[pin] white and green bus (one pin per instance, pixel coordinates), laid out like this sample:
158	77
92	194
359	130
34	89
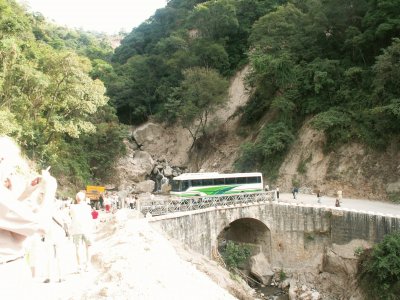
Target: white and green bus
202	184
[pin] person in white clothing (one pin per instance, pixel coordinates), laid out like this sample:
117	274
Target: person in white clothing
81	229
18	220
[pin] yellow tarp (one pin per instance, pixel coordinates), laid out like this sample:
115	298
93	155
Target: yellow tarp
94	191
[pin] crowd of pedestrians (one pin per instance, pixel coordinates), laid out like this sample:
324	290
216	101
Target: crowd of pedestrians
35	225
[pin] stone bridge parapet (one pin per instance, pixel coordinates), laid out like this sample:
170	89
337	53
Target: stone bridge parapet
290	235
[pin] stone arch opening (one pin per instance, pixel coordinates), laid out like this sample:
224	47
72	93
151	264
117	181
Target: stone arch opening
249	231
256	234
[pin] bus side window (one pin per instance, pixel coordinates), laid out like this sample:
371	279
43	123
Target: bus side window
230	180
184	185
196	182
241	180
253	180
219	181
207	182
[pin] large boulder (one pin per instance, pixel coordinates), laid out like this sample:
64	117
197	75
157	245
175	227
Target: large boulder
147	134
261	269
145	186
136	166
170	144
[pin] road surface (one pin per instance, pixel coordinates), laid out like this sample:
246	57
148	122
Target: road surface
346	203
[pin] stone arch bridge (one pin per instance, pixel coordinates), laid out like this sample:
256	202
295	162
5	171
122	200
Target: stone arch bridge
289	235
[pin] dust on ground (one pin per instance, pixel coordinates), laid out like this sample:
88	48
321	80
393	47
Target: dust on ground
132	260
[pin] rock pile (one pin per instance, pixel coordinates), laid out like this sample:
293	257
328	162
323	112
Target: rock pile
138	172
302	292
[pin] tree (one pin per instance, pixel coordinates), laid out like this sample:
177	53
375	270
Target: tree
215	19
201	92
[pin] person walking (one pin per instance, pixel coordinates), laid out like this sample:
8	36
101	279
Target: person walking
101	201
295	191
277	193
82	226
55	237
319	196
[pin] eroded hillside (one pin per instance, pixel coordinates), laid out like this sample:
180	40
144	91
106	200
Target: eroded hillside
352	168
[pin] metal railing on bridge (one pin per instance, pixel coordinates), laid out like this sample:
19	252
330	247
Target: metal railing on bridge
179	204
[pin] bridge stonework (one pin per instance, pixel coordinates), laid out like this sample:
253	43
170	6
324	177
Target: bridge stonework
294	236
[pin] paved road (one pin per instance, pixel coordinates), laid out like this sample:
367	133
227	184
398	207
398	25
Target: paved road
347	203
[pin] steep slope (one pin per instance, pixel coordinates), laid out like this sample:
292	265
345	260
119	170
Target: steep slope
219	151
352	168
216	153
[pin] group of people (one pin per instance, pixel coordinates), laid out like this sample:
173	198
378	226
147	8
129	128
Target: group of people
318	192
109	201
276	191
32	220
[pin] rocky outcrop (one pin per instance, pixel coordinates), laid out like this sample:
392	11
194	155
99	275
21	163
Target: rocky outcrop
169	143
134	167
138	172
261	269
145	186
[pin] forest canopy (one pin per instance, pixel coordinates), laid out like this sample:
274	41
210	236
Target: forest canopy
334	64
49	100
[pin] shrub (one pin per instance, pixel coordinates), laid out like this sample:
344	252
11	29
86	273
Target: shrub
282	275
249	158
302	167
359	251
379	269
235	254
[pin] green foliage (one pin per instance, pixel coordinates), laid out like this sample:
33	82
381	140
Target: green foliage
379	269
394	197
302	167
49	102
359	251
309	236
268	151
257	106
201	92
282	275
295	181
235	254
249	159
320	58
214	19
150	63
337	125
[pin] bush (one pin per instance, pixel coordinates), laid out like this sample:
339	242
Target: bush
302	167
282	275
268	151
235	254
379	269
249	158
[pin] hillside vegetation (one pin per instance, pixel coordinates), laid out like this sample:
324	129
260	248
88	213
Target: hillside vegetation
336	63
331	64
50	101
